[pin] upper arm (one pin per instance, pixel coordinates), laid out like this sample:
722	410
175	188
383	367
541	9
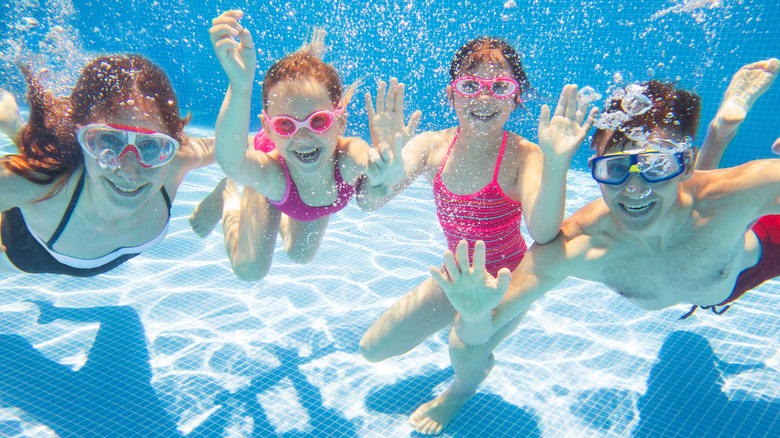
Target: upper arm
416	154
752	189
16	190
529	180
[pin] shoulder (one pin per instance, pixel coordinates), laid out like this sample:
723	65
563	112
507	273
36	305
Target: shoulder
429	146
521	150
18	190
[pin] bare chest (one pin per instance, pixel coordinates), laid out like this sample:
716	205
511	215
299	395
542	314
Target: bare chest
696	271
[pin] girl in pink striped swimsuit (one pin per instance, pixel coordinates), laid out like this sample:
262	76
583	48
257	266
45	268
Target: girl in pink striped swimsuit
481	176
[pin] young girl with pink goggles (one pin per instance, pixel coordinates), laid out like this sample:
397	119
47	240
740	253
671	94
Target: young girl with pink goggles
300	168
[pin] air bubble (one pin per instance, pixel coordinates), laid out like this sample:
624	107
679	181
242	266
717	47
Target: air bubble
587	95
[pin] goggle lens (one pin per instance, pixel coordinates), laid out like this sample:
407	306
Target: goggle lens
151	148
318	122
499	87
653	166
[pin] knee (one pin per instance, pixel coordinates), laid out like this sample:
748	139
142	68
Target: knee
301	257
369	351
250	271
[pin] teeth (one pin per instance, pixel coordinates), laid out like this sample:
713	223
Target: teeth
637	210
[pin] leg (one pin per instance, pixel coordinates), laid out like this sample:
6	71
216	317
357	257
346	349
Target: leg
412	319
206	214
302	238
472	364
119	353
10	119
250	233
747	85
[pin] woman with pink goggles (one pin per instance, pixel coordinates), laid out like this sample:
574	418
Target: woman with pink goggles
123	148
300	169
485	181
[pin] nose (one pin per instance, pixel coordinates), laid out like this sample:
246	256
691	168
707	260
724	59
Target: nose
636	187
129	167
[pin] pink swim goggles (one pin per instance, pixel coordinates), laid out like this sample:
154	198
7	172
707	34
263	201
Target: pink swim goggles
317	122
500	87
108	143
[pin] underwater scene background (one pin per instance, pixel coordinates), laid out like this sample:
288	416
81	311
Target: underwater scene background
283	351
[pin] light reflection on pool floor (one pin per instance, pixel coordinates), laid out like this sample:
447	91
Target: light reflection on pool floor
208	331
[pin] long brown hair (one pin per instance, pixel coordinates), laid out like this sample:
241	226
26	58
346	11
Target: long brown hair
48	148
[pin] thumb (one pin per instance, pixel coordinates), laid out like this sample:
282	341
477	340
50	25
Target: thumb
503	279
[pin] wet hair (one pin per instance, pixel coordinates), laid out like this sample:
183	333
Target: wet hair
483	50
48	147
674	109
306	64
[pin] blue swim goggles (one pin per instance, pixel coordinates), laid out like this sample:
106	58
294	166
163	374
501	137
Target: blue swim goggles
654	166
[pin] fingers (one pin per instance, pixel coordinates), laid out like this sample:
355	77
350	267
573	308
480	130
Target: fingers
246	39
503	279
396	95
380	97
563	99
451	266
544	117
590	120
571	100
226	25
414	122
479	255
399	146
370	107
462	256
440	278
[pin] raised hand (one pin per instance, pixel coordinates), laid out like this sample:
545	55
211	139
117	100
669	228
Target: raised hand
562	135
472	291
388	118
237	58
386	165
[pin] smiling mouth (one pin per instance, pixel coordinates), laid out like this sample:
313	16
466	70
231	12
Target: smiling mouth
637	210
309	155
483	116
124	191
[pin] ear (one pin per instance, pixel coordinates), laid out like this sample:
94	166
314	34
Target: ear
450	95
341	124
264	122
689	160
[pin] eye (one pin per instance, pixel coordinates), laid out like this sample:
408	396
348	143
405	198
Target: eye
617	167
320	122
148	146
110	140
285	126
502	88
469	86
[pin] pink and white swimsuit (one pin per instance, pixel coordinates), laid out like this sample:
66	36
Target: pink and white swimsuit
487	215
291	203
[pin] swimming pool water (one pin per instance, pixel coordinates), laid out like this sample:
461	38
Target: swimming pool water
581	363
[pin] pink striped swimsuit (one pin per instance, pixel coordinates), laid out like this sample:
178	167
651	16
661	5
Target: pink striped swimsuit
487	215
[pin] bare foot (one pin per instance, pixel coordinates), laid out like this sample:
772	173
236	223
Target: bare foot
433	417
10	119
208	213
750	82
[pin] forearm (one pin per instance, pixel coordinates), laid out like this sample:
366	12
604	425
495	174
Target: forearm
474	330
545	215
714	146
232	129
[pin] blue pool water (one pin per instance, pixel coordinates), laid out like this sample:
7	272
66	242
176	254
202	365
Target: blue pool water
584	363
